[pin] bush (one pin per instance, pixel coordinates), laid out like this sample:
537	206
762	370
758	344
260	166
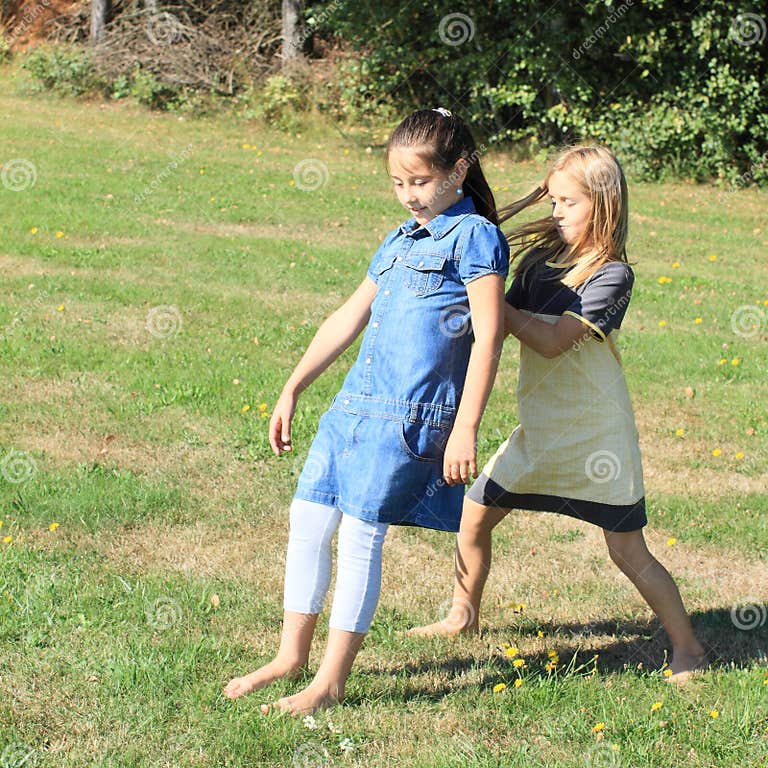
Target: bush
280	101
66	70
674	88
5	48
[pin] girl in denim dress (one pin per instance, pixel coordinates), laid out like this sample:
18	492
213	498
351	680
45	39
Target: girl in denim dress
398	442
575	451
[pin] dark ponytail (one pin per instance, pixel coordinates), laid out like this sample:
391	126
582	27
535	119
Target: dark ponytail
446	139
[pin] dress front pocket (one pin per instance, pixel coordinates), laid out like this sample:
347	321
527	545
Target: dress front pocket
424	273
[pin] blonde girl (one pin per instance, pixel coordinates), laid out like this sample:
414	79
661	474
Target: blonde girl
575	451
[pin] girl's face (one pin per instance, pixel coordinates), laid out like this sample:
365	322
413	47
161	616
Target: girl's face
424	190
571	208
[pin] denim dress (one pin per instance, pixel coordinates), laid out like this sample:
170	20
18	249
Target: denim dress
378	452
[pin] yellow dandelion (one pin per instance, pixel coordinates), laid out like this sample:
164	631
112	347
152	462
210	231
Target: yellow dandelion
552	653
291	183
716	452
662	323
496	187
597	727
245	408
518	682
517	663
511	652
1	523
246	146
550	666
713	257
60	308
722	361
663	279
735	361
262	406
739	455
656	706
671	543
714	714
675	265
202	171
518	607
265	415
53	526
33	231
667	673
59	234
539	634
680	432
698	321
499	687
7	539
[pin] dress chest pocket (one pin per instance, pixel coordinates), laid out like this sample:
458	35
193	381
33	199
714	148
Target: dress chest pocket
424	272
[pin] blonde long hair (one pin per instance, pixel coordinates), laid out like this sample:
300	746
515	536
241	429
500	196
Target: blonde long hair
600	176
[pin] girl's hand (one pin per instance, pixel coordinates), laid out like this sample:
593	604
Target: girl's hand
459	461
280	423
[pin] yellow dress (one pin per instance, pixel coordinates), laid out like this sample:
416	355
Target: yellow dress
576	449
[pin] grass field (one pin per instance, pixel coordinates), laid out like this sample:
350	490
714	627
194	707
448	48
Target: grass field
161	276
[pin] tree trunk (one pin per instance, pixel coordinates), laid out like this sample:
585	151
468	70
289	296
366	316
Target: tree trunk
101	11
293	39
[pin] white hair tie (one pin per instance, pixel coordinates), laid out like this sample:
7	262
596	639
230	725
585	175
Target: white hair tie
444	112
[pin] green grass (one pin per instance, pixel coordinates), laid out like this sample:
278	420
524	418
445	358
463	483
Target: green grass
163	579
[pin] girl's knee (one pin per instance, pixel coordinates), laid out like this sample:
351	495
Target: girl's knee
479	520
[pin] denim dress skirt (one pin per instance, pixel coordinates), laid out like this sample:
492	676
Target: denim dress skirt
382	460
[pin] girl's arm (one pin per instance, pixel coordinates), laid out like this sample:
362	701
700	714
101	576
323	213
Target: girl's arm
549	340
336	333
486	303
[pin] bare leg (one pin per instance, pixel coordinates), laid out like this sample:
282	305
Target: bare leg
472	565
630	553
291	659
327	688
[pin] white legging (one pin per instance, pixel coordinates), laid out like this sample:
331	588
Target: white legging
308	564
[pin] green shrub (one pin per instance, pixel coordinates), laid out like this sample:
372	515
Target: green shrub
5	48
63	69
280	101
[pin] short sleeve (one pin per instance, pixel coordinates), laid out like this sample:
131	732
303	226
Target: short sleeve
604	299
382	257
484	251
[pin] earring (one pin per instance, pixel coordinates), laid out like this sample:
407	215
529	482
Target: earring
459	190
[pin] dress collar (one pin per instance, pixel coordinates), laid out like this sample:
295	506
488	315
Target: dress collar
444	222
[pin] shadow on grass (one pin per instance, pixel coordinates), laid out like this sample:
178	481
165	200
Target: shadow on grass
639	647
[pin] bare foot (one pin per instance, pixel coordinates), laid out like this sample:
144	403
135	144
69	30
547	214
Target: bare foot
444	628
239	686
315	696
684	665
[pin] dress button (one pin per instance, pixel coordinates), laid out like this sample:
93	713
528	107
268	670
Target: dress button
399	258
375	325
367	360
386	293
346	402
421	263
